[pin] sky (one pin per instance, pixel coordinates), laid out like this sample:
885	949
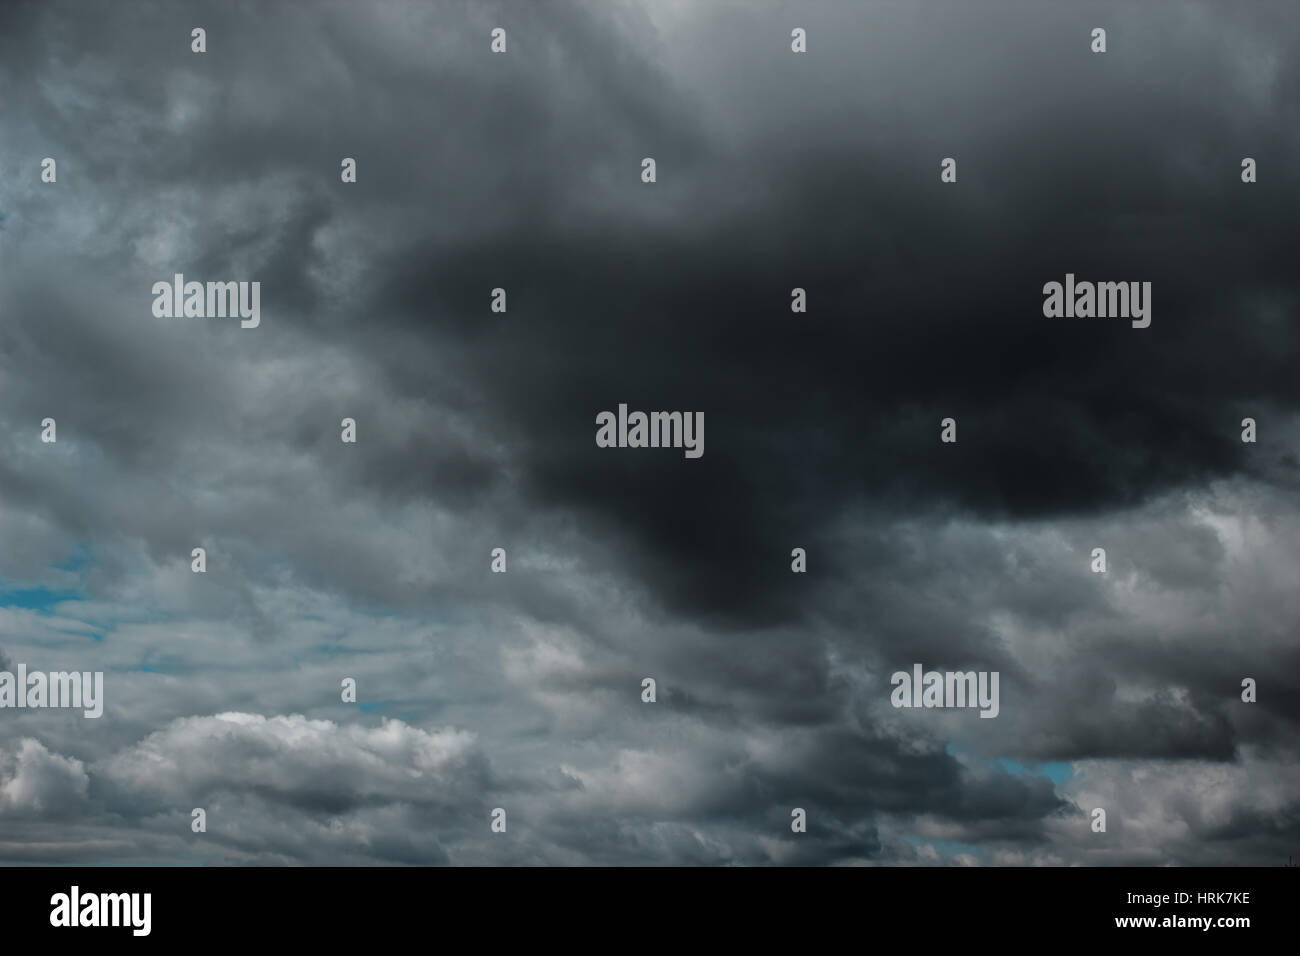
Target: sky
475	429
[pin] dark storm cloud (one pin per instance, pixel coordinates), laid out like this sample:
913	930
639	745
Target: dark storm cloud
925	302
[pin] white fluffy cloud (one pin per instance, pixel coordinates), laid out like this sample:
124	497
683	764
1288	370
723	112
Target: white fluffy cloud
34	781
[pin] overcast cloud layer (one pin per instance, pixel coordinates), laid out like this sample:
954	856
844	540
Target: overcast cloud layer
476	431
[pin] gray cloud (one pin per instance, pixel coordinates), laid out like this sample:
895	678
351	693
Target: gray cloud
328	560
